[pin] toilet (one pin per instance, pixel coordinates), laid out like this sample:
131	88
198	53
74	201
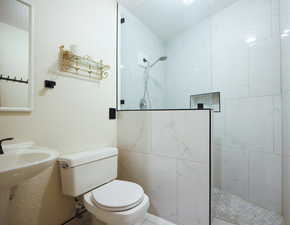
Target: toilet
92	174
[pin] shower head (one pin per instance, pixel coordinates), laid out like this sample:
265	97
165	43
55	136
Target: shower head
162	58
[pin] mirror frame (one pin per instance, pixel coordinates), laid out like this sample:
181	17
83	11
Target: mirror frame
30	106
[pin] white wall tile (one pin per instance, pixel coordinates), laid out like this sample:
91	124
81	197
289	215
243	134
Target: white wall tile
156	171
193	193
250	124
174	134
265	180
285	51
235	173
134	131
230	78
286	124
277	103
196	136
286	188
264	60
161	185
167	131
157	175
131	167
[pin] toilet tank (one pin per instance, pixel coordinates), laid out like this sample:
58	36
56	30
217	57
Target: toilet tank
84	171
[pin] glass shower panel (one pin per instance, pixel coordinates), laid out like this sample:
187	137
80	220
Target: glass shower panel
161	57
247	133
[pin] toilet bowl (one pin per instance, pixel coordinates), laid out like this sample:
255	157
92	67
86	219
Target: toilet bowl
93	175
118	203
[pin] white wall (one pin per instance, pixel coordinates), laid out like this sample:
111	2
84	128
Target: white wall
136	39
216	56
285	26
14	61
171	166
72	116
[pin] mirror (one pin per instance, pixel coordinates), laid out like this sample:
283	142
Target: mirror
15	55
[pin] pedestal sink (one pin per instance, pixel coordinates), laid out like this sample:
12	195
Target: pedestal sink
19	163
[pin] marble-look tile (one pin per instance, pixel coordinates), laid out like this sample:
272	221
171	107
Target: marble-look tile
167	131
277	103
157	175
265	180
235	172
217	166
264	58
131	167
286	123
230	78
286	187
174	134
195	140
193	193
134	131
161	185
250	124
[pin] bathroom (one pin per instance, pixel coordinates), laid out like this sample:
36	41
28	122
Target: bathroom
188	98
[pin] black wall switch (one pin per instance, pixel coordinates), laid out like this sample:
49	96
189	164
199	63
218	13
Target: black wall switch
112	114
200	106
49	84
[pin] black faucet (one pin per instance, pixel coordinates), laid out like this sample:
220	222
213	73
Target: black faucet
2	140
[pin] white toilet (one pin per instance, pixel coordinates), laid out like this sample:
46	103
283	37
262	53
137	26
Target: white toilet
93	174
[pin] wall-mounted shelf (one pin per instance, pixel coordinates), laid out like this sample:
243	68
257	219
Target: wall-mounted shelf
208	100
83	66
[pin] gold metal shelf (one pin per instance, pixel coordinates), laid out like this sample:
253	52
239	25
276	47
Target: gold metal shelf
83	66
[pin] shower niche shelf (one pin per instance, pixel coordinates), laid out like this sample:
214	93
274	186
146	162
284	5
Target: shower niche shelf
209	101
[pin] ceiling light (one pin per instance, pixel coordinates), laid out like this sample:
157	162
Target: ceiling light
251	40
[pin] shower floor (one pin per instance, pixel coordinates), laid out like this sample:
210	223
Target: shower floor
221	222
235	210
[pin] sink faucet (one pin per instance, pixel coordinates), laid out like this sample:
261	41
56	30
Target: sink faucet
2	140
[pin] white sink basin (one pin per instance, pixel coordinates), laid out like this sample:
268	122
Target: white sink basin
17	165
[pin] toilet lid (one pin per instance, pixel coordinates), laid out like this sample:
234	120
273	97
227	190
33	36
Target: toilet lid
118	196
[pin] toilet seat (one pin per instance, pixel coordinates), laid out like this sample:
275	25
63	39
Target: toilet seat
131	216
118	196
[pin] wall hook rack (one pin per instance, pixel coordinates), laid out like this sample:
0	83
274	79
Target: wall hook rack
83	66
7	78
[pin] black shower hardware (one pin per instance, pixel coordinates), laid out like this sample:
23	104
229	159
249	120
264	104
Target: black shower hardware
7	78
2	140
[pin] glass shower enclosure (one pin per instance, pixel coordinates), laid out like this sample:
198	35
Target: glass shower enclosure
179	58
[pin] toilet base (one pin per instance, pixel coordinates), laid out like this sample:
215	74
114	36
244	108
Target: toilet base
95	221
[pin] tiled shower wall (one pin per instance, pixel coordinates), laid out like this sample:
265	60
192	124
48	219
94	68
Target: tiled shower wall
237	52
167	153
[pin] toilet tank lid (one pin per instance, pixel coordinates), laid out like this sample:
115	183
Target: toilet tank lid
80	158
